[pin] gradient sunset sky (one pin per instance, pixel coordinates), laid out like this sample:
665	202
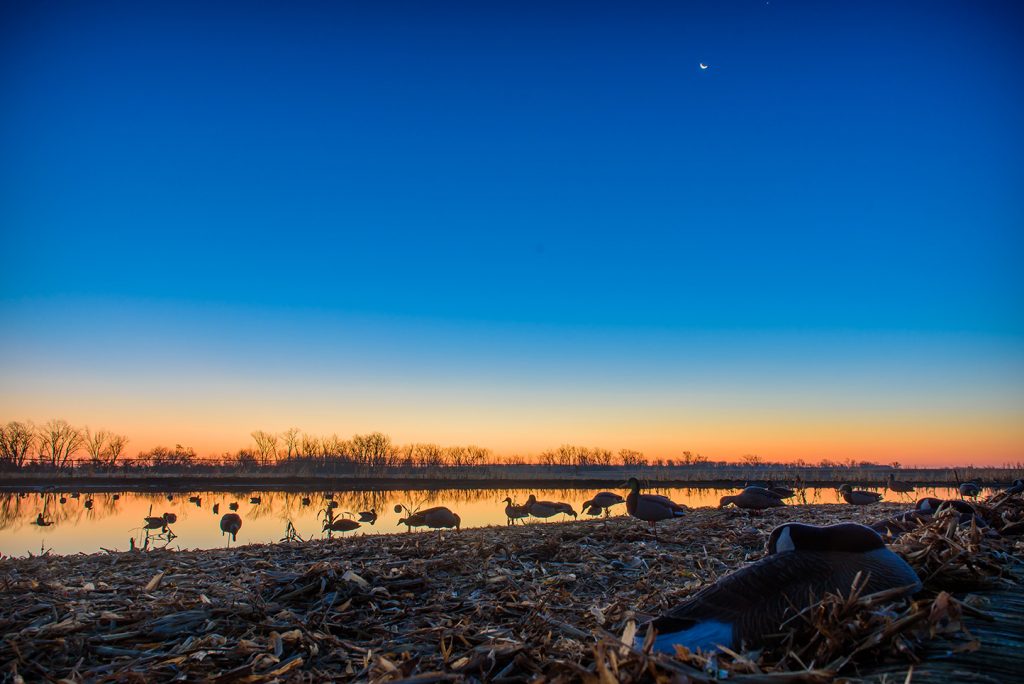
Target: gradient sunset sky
519	224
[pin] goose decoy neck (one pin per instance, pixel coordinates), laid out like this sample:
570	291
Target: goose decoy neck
531	500
848	537
508	500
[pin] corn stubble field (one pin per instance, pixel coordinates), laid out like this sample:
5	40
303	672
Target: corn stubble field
541	602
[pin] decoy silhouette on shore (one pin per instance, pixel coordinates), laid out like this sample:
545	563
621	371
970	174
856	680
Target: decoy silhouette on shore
651	508
780	491
514	512
753	499
435	518
340	525
602	502
231	523
897	486
369	516
804	562
969	489
547	509
153	522
42	521
858	497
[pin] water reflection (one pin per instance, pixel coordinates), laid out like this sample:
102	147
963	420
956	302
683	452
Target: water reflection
34	522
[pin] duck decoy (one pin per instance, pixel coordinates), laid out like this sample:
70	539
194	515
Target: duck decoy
340	525
969	489
804	562
170	497
115	497
171	518
434	518
233	506
42	521
230	523
547	509
859	497
602	502
305	501
88	504
753	499
216	508
75	495
194	499
63	499
256	500
514	512
651	507
897	486
369	516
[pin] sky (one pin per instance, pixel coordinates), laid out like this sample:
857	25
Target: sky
519	224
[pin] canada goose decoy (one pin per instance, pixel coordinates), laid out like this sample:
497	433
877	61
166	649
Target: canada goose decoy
931	505
230	523
305	501
780	491
340	525
75	495
897	486
216	508
63	499
329	496
753	499
233	506
434	518
256	500
602	502
547	509
332	504
969	489
171	518
1016	488
88	504
170	497
804	562
42	521
369	516
194	499
514	512
651	507
859	497
153	522
115	497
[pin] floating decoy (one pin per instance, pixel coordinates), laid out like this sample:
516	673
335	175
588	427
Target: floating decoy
369	516
434	518
804	562
159	522
514	512
329	496
257	500
859	497
331	505
170	497
230	523
233	506
780	491
63	499
602	502
547	509
216	508
305	501
42	521
88	504
651	507
75	495
970	489
340	525
753	499
897	486
116	497
194	499
171	518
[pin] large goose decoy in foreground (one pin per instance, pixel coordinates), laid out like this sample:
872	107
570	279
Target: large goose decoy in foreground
434	518
602	502
804	563
897	486
753	499
230	523
547	509
514	512
859	497
651	507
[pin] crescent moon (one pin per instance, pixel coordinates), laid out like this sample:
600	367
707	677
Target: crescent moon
703	65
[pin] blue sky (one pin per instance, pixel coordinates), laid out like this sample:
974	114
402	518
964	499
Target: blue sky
533	172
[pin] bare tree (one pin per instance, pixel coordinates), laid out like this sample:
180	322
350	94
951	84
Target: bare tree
631	458
16	439
58	442
373	449
115	446
95	443
291	443
266	446
310	446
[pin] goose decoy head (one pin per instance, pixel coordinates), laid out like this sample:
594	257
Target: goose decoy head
402	521
845	488
508	500
849	537
725	501
632	484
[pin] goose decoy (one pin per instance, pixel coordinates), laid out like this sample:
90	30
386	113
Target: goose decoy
602	502
42	521
897	486
216	508
753	499
369	516
896	525
650	507
170	497
969	489
434	518
780	491
1016	488
88	504
194	499
514	512
331	505
153	522
340	525
75	495
115	497
171	518
859	497
256	500
931	505
547	509
804	562
63	499
305	501
230	523
233	506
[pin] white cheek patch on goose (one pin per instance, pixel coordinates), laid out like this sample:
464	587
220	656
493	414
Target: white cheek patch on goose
785	541
707	636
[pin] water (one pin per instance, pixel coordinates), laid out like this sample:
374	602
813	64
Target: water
110	523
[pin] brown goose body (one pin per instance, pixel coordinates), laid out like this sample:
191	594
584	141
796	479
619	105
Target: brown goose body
651	508
547	509
753	499
899	487
434	518
602	502
368	516
803	564
156	523
514	512
230	523
341	525
859	497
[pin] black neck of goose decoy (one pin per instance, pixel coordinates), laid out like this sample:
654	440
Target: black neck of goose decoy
847	537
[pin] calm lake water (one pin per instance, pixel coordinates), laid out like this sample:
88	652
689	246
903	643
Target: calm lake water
111	520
